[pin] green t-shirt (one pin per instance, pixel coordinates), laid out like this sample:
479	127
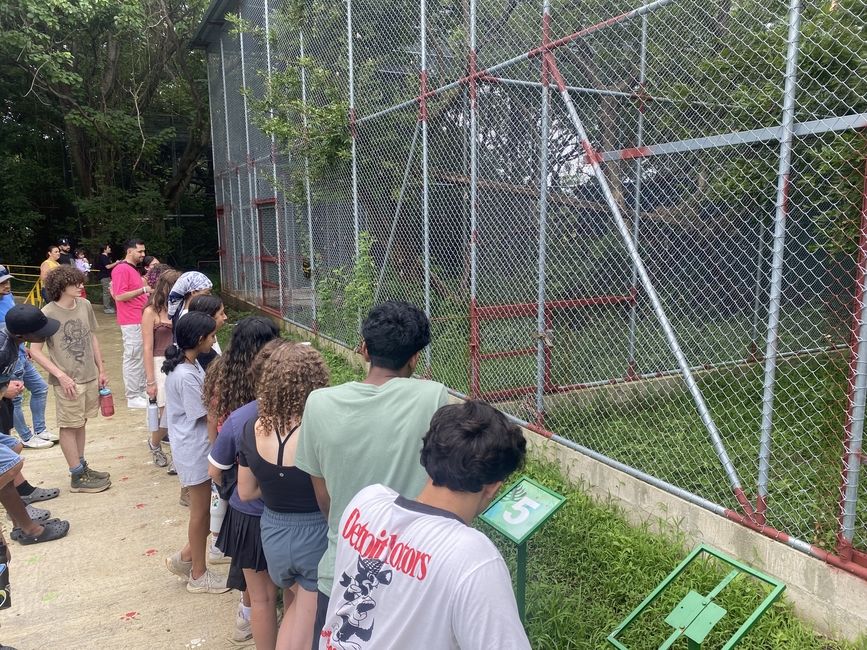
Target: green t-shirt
355	435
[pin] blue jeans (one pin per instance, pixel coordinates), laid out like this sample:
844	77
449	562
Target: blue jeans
26	372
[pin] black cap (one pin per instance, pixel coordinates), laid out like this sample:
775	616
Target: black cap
63	241
28	320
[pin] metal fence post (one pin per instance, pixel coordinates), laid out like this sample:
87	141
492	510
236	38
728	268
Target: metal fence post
776	287
252	181
239	259
425	201
278	243
543	358
854	436
221	200
312	251
631	370
593	159
475	387
352	125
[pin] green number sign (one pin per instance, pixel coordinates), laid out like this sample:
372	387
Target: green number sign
517	513
521	509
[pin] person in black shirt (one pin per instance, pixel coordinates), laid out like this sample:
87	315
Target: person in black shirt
65	256
293	529
104	264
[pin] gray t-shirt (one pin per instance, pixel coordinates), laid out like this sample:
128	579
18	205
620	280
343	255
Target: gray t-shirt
188	423
356	434
71	346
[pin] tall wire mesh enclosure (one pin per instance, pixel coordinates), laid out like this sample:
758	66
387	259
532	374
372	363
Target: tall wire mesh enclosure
640	227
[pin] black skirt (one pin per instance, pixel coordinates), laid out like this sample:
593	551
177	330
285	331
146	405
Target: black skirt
241	540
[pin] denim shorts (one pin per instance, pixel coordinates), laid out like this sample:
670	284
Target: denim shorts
9	441
294	543
8	458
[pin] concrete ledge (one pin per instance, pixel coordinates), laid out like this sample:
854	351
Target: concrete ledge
833	601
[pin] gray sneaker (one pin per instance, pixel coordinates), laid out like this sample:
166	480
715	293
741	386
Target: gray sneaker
207	583
176	565
159	455
87	482
93	472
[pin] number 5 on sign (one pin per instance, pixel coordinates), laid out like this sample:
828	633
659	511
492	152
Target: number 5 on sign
521	509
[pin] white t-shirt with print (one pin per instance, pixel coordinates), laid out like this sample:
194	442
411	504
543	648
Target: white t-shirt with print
409	575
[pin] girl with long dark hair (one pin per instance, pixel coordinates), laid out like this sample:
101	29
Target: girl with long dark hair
187	417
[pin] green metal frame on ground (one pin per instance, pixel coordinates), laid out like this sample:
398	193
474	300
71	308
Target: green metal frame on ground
696	615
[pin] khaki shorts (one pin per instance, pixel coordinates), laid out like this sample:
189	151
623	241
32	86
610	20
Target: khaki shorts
73	413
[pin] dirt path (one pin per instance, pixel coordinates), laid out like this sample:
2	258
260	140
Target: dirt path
105	585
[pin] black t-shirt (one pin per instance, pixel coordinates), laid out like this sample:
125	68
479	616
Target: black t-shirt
102	262
65	258
284	489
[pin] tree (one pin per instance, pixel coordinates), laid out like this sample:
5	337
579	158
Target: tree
120	89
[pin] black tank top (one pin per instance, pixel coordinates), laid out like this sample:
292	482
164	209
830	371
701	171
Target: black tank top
284	489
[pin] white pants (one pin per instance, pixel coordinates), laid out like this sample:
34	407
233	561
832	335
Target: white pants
134	379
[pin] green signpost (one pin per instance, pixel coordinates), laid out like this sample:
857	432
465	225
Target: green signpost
518	513
696	615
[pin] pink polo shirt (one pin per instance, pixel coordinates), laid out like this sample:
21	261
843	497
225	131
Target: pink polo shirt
125	277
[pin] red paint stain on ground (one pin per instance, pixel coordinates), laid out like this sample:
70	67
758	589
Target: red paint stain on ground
139	506
129	616
120	457
150	552
124	478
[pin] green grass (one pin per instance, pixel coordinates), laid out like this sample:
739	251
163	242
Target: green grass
588	568
661	434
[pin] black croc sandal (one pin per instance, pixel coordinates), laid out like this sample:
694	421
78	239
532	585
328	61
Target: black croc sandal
41	494
17	532
51	530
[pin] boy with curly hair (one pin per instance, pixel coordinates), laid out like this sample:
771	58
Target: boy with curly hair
76	372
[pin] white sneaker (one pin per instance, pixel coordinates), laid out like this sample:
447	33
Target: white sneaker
215	555
207	583
137	403
50	436
243	628
36	442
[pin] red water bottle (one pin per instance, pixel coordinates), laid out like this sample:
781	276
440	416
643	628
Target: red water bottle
106	402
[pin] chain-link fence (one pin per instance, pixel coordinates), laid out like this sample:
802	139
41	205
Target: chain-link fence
639	226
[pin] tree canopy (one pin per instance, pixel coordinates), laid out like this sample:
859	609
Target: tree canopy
105	122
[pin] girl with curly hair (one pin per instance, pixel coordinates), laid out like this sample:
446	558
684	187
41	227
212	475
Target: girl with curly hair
240	537
228	387
188	430
156	336
294	530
